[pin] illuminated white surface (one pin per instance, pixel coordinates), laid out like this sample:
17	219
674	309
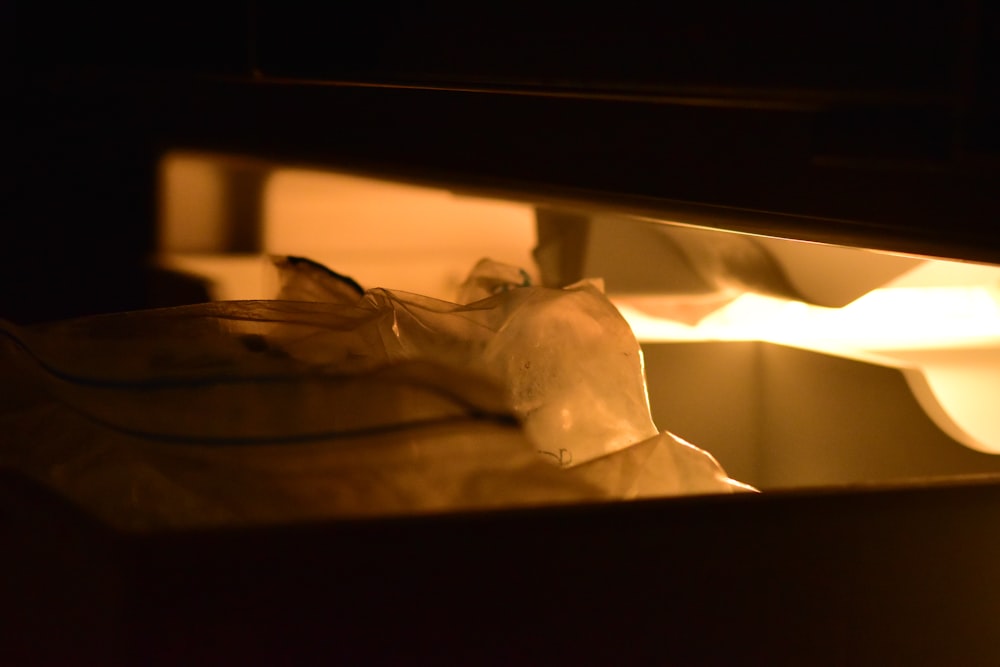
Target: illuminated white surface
891	318
230	277
945	341
960	390
418	239
382	234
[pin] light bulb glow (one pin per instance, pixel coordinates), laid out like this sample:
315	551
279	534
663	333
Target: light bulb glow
884	319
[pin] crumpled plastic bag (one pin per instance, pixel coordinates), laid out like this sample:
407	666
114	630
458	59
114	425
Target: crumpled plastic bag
567	360
334	401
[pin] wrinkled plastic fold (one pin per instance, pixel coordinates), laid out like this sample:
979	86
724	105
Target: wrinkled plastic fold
331	401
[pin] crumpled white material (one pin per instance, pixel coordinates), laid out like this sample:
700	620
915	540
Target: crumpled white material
332	401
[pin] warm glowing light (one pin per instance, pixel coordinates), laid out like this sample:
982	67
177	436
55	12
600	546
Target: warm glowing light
944	340
958	389
383	234
890	318
393	235
193	189
230	277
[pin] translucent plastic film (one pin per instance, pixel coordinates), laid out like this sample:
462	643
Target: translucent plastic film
333	401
